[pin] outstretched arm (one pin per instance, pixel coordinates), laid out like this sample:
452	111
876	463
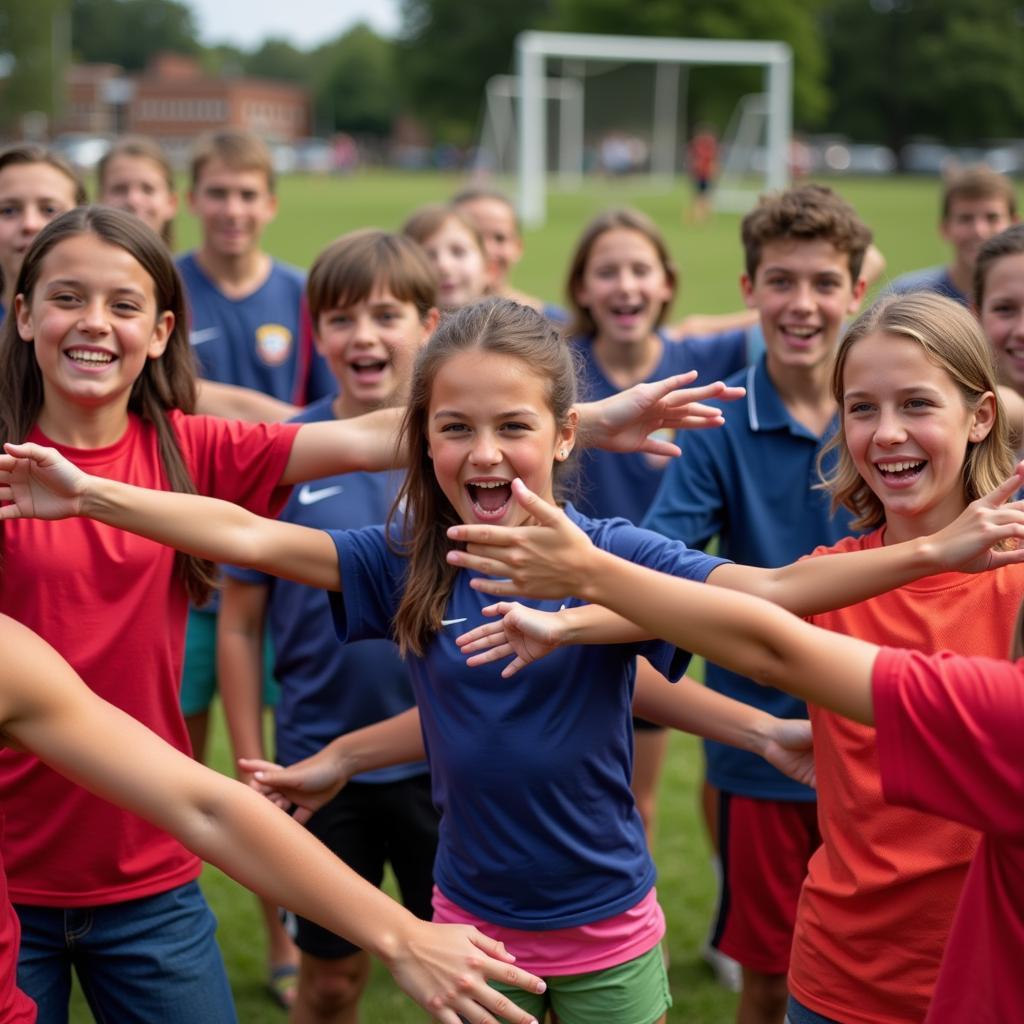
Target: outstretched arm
45	708
525	562
39	482
740	632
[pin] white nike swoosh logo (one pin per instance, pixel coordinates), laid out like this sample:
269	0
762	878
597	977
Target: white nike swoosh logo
307	496
206	334
451	622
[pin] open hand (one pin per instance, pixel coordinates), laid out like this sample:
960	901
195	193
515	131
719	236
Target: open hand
625	422
39	483
548	560
306	785
524	634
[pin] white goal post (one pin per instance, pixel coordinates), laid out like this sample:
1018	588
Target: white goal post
533	49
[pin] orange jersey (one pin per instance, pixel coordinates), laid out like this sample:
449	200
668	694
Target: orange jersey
878	901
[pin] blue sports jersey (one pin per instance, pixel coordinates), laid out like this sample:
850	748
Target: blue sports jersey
329	688
262	341
624	483
531	774
751	483
931	279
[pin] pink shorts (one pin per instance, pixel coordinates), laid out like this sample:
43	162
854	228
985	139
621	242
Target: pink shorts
765	846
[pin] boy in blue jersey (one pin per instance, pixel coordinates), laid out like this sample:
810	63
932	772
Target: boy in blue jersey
372	297
977	203
750	483
249	328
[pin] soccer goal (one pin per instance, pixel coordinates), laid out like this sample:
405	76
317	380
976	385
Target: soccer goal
772	114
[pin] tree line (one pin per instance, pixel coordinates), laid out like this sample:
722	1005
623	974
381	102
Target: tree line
875	70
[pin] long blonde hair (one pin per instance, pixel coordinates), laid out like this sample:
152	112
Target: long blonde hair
952	340
421	511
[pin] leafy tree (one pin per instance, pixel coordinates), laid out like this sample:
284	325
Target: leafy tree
277	58
450	48
355	83
131	32
901	68
33	33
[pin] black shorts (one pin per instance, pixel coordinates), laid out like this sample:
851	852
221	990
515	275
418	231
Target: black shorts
369	825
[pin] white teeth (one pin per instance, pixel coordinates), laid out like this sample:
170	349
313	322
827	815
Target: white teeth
899	467
801	332
491	484
91	357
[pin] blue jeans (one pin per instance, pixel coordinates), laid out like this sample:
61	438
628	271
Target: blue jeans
797	1013
148	961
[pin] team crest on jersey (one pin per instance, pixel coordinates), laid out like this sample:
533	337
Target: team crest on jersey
273	343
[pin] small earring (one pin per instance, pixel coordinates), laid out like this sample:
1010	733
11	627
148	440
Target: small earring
563	454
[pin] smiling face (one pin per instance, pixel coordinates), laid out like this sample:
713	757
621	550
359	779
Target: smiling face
624	286
31	195
94	321
139	185
907	428
370	346
460	264
234	206
496	222
488	422
971	222
1002	317
803	291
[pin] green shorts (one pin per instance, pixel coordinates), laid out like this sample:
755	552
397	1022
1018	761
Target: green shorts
635	992
199	673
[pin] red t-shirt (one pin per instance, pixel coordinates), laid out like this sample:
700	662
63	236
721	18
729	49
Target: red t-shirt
15	1006
111	604
949	742
880	893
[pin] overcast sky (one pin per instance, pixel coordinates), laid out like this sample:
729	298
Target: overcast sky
304	23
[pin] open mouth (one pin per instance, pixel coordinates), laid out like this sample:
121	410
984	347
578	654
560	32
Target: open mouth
901	471
89	357
800	335
369	369
490	498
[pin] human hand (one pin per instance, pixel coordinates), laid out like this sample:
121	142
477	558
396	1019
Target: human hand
446	967
306	785
789	746
625	422
986	535
548	560
525	634
40	483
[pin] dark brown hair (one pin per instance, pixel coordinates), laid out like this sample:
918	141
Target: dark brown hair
29	153
352	266
165	383
144	148
421	510
1007	243
611	220
807	213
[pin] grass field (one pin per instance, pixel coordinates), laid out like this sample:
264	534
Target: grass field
903	214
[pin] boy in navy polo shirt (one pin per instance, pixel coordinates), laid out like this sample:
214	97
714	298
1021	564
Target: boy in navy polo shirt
750	483
372	296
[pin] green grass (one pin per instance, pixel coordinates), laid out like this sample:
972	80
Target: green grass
903	213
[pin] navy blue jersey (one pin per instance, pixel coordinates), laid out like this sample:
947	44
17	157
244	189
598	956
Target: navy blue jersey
263	341
624	483
329	688
531	774
931	279
751	483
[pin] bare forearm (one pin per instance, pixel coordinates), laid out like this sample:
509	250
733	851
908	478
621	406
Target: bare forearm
691	707
740	632
232	402
396	740
596	624
368	443
239	675
814	585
